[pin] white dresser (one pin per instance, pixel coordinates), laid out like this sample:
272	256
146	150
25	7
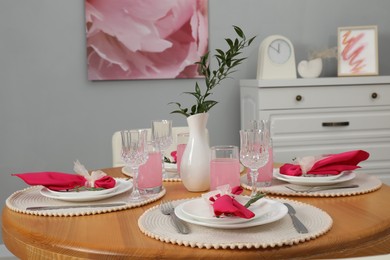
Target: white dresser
324	115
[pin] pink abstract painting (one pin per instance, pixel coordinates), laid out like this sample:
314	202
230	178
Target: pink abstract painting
145	39
357	51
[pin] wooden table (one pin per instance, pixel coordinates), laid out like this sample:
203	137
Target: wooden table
361	227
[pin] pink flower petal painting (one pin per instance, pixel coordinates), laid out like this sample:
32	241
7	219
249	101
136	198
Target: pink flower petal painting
145	39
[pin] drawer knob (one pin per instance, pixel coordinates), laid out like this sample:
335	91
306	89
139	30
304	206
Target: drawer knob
298	98
374	95
335	124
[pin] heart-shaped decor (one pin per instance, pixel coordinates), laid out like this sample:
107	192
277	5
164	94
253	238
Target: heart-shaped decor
310	69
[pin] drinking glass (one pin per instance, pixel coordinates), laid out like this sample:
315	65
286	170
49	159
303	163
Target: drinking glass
182	140
265	175
254	152
134	153
224	166
162	136
150	173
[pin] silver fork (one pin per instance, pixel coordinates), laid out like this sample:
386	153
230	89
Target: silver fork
167	208
321	188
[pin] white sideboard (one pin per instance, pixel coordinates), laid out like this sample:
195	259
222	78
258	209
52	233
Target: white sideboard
323	116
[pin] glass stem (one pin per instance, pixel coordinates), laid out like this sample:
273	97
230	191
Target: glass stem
164	173
135	195
254	174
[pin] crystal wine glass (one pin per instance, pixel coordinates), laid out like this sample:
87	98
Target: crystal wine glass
134	153
162	136
254	152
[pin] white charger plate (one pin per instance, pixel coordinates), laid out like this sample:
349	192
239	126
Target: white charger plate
202	210
82	193
314	181
277	210
120	187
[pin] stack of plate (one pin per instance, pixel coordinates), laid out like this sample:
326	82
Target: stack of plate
316	180
121	186
199	211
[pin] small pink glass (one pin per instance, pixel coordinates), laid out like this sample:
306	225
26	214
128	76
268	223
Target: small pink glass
182	139
150	173
224	166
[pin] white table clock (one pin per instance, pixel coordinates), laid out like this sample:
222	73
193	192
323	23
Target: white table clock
276	59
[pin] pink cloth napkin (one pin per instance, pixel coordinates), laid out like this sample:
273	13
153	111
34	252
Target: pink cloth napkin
63	181
227	205
330	165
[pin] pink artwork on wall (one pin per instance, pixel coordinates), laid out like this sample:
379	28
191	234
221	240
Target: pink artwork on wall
357	51
145	39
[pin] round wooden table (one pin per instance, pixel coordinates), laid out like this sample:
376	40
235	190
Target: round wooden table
361	227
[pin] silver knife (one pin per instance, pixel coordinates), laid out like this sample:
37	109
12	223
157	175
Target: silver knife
296	222
77	206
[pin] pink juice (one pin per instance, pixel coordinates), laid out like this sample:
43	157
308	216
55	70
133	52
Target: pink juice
150	173
180	151
224	171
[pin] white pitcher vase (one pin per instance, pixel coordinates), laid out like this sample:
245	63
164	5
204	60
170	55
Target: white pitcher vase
195	163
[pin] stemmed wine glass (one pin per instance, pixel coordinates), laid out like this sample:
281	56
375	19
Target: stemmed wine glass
254	152
162	136
134	153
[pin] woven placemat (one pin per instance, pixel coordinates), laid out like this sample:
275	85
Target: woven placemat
367	183
31	197
279	233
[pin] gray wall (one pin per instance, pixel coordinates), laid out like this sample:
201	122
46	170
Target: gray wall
51	115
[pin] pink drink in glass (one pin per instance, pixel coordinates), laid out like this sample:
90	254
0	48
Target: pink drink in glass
150	174
224	171
266	172
180	151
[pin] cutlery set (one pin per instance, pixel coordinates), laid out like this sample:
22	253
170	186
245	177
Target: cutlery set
298	225
168	209
321	188
105	205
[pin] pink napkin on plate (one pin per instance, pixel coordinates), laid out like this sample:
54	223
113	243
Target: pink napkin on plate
63	181
330	165
227	205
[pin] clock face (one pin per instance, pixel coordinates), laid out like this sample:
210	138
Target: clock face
279	51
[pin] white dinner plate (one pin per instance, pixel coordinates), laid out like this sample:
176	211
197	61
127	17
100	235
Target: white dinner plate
315	181
120	187
314	177
277	211
201	210
170	167
82	193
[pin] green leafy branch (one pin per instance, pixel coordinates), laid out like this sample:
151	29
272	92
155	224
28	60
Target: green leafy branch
226	61
258	196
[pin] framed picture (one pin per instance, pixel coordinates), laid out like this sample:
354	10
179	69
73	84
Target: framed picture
357	51
154	39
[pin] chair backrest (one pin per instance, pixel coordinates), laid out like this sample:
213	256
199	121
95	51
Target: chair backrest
117	144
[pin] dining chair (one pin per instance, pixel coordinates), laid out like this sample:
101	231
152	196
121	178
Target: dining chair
117	144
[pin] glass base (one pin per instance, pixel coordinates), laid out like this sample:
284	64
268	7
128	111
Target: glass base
260	184
150	191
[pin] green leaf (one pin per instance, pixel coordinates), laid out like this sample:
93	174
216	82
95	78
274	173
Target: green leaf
238	31
229	42
258	196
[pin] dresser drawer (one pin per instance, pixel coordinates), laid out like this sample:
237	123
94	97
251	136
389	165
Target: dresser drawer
330	124
323	96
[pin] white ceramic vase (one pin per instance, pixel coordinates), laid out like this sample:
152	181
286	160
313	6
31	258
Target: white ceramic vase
195	163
